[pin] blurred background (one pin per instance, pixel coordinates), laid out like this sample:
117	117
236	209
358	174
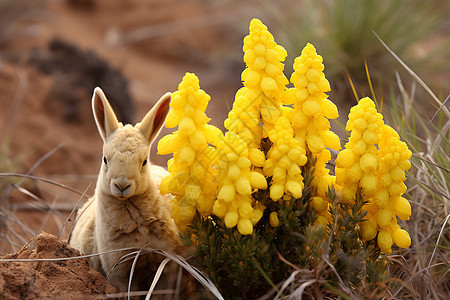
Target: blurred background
53	53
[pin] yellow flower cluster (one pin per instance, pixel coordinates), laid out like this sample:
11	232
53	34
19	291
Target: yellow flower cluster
309	118
235	203
191	169
263	78
388	202
244	119
285	158
357	165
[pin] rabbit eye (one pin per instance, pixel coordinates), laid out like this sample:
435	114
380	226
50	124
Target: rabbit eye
105	161
144	163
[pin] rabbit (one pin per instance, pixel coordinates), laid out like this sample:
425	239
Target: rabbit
127	209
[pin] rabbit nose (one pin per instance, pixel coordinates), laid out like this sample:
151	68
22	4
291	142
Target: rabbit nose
122	187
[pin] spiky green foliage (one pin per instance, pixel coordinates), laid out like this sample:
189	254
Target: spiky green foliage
333	258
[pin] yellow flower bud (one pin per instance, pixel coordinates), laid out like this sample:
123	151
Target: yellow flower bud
345	158
257	215
276	192
321	221
253	78
397	188
268	84
354	173
369	183
258	181
311	107
256	157
382	197
245	226
260	63
295	188
198	140
173	118
368	162
294	170
234	171
227	193
231	219
187	155
220	208
402	208
329	109
360	125
368	230
243	186
187	125
398	174
315	143
165	145
385	241
404	164
246	210
319	204
401	238
273	219
331	140
384	217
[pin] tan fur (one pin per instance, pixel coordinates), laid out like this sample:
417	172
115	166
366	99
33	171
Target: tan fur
127	209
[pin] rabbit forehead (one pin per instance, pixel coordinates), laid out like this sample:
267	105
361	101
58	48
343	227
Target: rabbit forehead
126	143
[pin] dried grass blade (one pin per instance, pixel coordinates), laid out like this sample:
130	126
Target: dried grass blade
417	78
44	180
156	278
133	266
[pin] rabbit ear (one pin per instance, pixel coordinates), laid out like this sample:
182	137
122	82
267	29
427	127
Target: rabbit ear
153	121
104	115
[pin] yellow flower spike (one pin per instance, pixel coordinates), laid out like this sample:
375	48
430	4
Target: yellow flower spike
264	82
283	161
379	170
393	156
273	219
359	163
311	112
236	182
192	168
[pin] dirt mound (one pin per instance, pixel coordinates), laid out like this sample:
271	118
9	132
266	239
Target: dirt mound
68	279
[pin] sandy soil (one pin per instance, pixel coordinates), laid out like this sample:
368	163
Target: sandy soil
65	279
